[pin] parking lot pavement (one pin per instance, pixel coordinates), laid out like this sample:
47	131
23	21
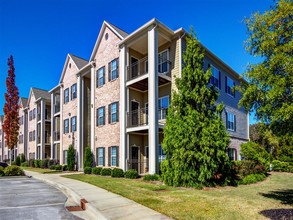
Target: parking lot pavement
27	198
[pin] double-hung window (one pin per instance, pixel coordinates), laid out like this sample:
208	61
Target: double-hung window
113	112
230	121
101	76
73	124
73	91
100	116
66	126
66	96
161	154
163	105
230	84
216	77
100	154
113	157
113	68
163	62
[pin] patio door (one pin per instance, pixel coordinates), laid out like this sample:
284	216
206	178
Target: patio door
135	158
134	112
134	67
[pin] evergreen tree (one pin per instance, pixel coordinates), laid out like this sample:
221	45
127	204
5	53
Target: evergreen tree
11	107
88	159
195	138
70	158
269	90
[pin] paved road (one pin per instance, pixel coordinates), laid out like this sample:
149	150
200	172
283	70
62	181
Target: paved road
27	198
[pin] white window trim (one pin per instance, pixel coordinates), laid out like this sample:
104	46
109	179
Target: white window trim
102	69
114	156
212	66
230	113
168	69
112	70
229	86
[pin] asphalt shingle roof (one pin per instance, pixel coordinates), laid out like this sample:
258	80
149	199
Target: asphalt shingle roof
121	32
24	101
80	62
41	93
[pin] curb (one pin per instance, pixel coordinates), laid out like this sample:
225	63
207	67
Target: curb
95	214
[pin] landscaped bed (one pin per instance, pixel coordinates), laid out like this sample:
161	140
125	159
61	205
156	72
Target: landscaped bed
274	196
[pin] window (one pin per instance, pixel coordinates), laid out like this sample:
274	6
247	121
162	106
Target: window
230	121
34	113
113	67
73	124
66	96
100	154
30	115
73	91
216	77
34	135
20	139
30	136
66	126
163	105
101	76
113	112
232	153
113	157
161	154
163	62
230	84
100	116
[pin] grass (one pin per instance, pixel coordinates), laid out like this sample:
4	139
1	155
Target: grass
243	202
40	170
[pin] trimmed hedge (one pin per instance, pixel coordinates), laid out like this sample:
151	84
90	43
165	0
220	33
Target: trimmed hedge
252	178
131	174
58	167
37	163
24	164
31	163
117	172
87	170
13	171
97	170
150	177
282	166
106	172
52	167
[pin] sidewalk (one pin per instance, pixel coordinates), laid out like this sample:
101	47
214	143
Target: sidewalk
102	204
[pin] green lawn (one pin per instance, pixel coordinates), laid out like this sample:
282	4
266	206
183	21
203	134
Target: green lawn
242	202
40	170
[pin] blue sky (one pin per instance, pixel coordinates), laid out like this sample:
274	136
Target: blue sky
39	34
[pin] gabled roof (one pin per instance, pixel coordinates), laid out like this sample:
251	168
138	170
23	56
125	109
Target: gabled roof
23	101
77	61
119	33
39	93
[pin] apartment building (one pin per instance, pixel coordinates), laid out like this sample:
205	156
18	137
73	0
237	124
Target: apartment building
23	120
38	124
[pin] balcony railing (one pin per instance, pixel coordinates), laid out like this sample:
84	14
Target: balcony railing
57	108
48	116
57	136
48	139
38	140
140	117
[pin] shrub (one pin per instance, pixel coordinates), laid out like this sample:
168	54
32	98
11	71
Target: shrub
13	163
31	162
13	171
131	174
150	177
97	170
17	161
1	171
37	163
24	164
252	178
64	167
22	158
58	167
70	158
52	167
117	172
88	160
281	166
44	163
87	170
52	162
106	172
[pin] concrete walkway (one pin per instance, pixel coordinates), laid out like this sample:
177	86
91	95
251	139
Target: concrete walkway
102	204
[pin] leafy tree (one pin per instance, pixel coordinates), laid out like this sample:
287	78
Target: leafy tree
269	88
70	158
88	160
195	138
11	107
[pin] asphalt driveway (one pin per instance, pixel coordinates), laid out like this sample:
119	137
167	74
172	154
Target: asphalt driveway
28	198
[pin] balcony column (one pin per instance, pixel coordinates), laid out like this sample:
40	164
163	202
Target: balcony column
153	98
79	123
123	101
61	124
92	133
52	126
42	132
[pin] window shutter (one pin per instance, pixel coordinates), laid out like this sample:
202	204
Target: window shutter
103	156
109	114
234	92
226	84
109	156
226	119
97	78
220	80
117	66
109	71
104	116
234	122
97	117
71	125
117	109
117	156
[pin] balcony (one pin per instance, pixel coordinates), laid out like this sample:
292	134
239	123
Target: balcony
47	138
137	68
57	136
56	108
